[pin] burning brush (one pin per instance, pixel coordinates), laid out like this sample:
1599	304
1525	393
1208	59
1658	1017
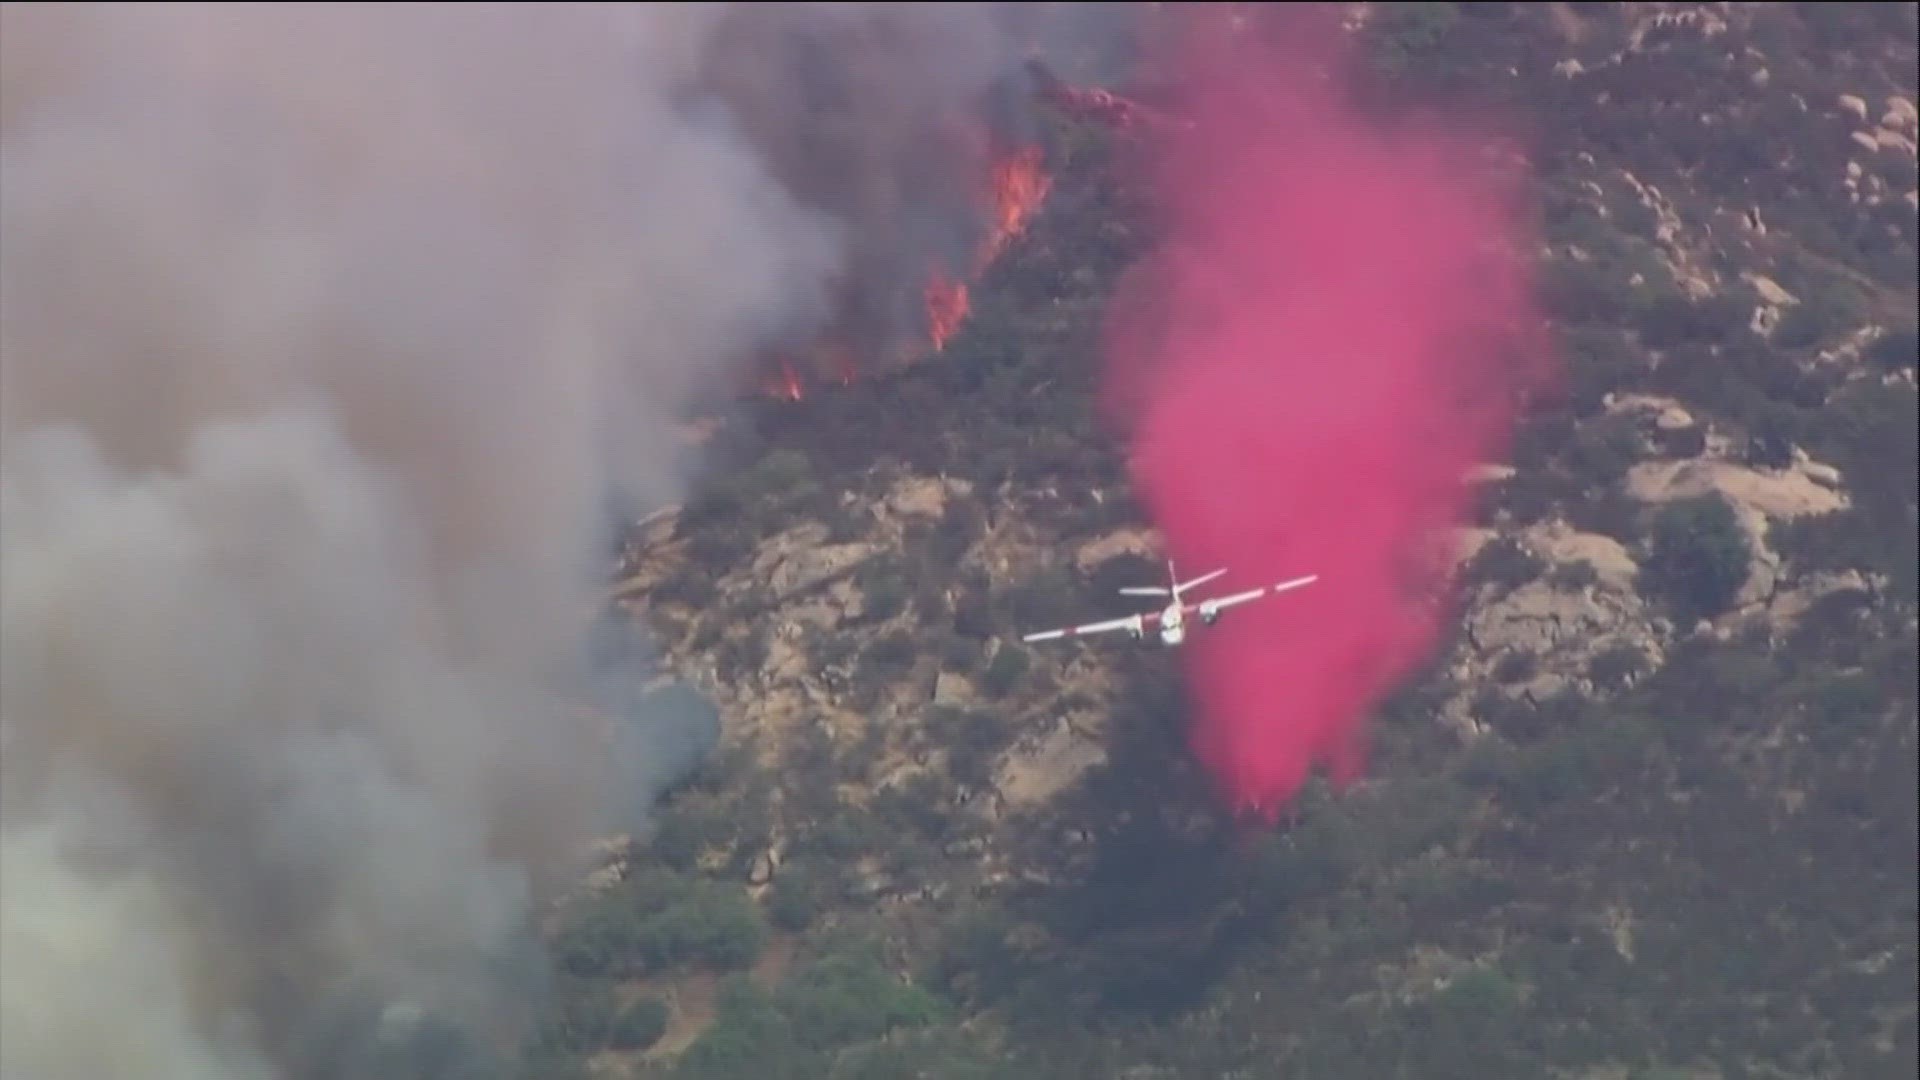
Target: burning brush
1095	105
1013	187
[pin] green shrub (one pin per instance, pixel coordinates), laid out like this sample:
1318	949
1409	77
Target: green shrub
843	836
546	1064
1827	309
1050	598
1772	431
1479	996
1599	360
1895	350
1604	449
782	473
1617	667
890	657
584	1021
750	1040
660	919
973	609
1683	442
1871	432
686	830
944	1053
883	589
1008	666
849	998
1841	709
958	654
837	1001
596	941
978	730
1573	576
639	1025
1412	29
796	898
1698	556
1504	564
718	926
1515	667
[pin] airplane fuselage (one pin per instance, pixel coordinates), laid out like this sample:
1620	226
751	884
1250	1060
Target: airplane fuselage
1173	625
1172	619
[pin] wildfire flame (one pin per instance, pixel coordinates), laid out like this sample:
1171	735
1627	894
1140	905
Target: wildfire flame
1017	184
1014	188
947	304
1095	105
786	384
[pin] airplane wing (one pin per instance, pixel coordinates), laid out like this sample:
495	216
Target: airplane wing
1295	583
1219	604
1144	621
1223	602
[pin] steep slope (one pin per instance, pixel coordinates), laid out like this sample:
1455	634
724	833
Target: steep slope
1649	814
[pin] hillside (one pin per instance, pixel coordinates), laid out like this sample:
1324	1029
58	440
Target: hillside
1648	814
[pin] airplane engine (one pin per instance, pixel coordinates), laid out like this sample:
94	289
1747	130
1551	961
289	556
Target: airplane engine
1209	615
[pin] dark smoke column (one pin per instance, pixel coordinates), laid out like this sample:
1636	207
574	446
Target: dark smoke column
1324	346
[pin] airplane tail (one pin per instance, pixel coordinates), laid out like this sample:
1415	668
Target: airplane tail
1196	582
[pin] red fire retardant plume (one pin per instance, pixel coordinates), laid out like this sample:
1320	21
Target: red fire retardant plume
1333	334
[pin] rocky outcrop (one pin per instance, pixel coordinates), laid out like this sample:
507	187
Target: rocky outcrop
1757	498
1035	773
1550	629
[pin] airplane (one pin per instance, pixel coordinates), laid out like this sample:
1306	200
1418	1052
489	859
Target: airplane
1172	619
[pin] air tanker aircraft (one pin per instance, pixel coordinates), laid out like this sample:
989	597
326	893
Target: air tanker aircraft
1172	619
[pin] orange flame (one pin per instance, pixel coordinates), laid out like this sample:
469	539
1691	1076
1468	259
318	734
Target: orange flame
947	304
1015	187
1019	184
787	385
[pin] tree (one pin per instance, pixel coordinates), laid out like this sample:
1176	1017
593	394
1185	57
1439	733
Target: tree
883	588
1405	30
1504	564
1604	449
582	1021
660	919
1771	434
1829	307
1599	360
782	473
1617	667
1895	350
750	1040
849	997
1698	556
1050	598
795	899
946	1053
687	830
1008	666
639	1025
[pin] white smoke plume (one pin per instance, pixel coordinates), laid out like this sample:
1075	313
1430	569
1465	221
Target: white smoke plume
327	335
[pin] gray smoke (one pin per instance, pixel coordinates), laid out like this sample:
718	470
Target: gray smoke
327	333
890	117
